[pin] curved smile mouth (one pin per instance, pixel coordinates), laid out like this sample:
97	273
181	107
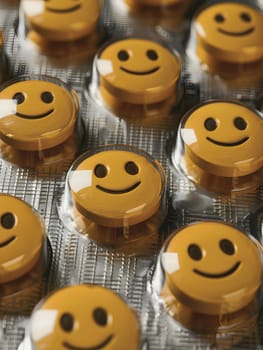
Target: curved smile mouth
126	190
245	32
228	144
5	243
146	72
96	347
71	9
34	116
218	275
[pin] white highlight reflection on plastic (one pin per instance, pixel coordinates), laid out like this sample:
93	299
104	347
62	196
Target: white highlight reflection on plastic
33	8
12	262
170	262
43	323
189	136
80	179
7	107
104	66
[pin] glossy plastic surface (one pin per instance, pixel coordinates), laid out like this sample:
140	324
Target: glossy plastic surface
221	141
116	186
230	32
61	21
22	238
209	275
84	317
37	113
138	77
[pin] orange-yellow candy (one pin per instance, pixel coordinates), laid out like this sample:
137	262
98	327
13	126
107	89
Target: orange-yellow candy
21	238
37	114
224	138
212	267
138	71
84	317
117	187
65	20
230	32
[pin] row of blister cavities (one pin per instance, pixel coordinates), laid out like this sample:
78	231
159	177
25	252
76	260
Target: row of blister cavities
222	40
142	81
208	278
120	227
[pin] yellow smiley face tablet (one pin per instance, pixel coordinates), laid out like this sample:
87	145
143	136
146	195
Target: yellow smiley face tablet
37	114
84	317
63	20
138	71
116	187
21	238
212	267
231	32
224	138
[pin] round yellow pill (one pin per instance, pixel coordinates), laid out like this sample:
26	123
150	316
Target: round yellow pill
223	138
21	238
84	317
212	267
138	71
230	32
116	187
65	20
37	114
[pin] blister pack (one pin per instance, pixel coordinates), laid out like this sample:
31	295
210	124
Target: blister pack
131	174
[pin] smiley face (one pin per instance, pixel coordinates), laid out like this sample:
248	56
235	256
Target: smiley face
230	32
62	20
224	138
37	114
116	186
138	71
212	267
84	317
21	238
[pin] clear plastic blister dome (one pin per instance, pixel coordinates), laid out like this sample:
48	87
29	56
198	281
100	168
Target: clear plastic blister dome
226	41
116	196
38	122
67	32
138	79
219	147
208	279
84	317
25	254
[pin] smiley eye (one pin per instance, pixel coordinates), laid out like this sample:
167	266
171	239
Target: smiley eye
227	246
131	168
19	97
123	55
210	124
240	123
100	171
67	322
219	18
8	221
100	316
245	17
152	55
47	97
195	252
